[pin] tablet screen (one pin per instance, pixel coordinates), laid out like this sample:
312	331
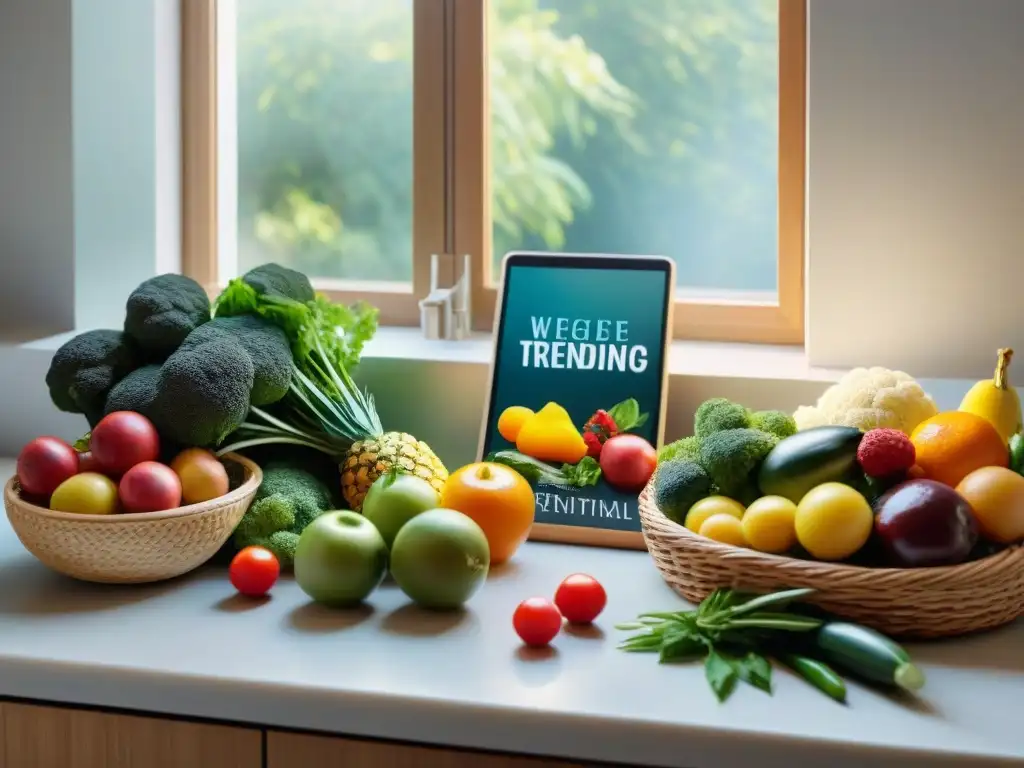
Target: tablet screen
578	336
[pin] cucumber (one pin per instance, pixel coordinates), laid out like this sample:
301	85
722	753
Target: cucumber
867	654
1017	453
809	458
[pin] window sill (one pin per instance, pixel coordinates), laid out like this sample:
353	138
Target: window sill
686	358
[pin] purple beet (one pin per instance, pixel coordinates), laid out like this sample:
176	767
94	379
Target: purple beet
923	523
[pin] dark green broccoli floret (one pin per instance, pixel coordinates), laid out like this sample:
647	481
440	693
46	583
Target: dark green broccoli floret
678	485
718	415
288	499
266	344
135	392
731	458
86	368
275	280
775	423
165	309
686	449
203	393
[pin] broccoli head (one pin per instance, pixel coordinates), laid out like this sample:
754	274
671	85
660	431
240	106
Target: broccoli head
86	368
165	309
275	280
266	344
717	415
774	423
203	393
678	485
288	499
135	392
688	448
731	457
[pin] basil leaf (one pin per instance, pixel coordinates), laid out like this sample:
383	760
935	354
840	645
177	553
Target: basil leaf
721	675
754	669
681	645
641	420
587	472
625	414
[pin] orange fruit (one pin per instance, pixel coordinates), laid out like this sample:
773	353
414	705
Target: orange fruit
202	475
996	495
512	420
952	444
498	499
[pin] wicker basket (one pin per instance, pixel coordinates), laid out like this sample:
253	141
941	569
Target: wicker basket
901	602
131	548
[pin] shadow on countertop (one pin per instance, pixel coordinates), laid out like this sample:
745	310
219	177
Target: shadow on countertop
32	589
412	621
313	618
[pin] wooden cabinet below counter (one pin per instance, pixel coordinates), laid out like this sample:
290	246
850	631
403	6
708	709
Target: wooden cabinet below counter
55	737
294	750
44	736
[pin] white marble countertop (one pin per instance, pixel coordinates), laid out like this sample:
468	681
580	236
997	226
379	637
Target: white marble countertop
390	671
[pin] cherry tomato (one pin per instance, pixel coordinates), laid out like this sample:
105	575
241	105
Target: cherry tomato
254	571
537	621
580	598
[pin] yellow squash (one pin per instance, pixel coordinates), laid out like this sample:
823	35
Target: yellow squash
550	435
995	400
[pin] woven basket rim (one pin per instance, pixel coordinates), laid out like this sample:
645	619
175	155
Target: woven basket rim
254	476
695	540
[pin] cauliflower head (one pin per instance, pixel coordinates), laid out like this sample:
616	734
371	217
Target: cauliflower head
868	398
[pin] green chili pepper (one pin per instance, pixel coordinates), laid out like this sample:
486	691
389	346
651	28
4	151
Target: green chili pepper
818	674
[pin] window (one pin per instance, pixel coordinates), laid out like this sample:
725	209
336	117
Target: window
352	139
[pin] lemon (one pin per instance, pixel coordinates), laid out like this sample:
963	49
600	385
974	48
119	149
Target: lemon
769	524
725	528
833	521
712	505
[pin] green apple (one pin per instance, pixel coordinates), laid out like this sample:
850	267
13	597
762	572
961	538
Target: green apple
340	559
395	499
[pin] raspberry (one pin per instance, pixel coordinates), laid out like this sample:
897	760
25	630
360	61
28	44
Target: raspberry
598	429
885	452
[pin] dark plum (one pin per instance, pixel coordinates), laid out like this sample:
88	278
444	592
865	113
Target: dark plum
922	523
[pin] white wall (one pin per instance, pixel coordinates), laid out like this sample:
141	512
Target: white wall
89	158
36	207
916	183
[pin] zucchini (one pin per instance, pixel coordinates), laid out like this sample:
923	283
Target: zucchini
807	459
867	654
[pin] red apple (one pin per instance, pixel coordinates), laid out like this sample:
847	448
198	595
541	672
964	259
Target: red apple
150	487
44	464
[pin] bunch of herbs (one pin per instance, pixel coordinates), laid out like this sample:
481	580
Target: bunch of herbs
733	632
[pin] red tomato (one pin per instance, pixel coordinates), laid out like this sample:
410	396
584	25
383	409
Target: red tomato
537	621
149	487
580	598
87	462
627	462
123	439
44	464
254	570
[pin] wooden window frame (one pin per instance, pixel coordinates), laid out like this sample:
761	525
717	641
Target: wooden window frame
778	322
451	175
398	302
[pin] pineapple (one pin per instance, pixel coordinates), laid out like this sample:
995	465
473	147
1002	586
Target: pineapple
331	415
368	459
